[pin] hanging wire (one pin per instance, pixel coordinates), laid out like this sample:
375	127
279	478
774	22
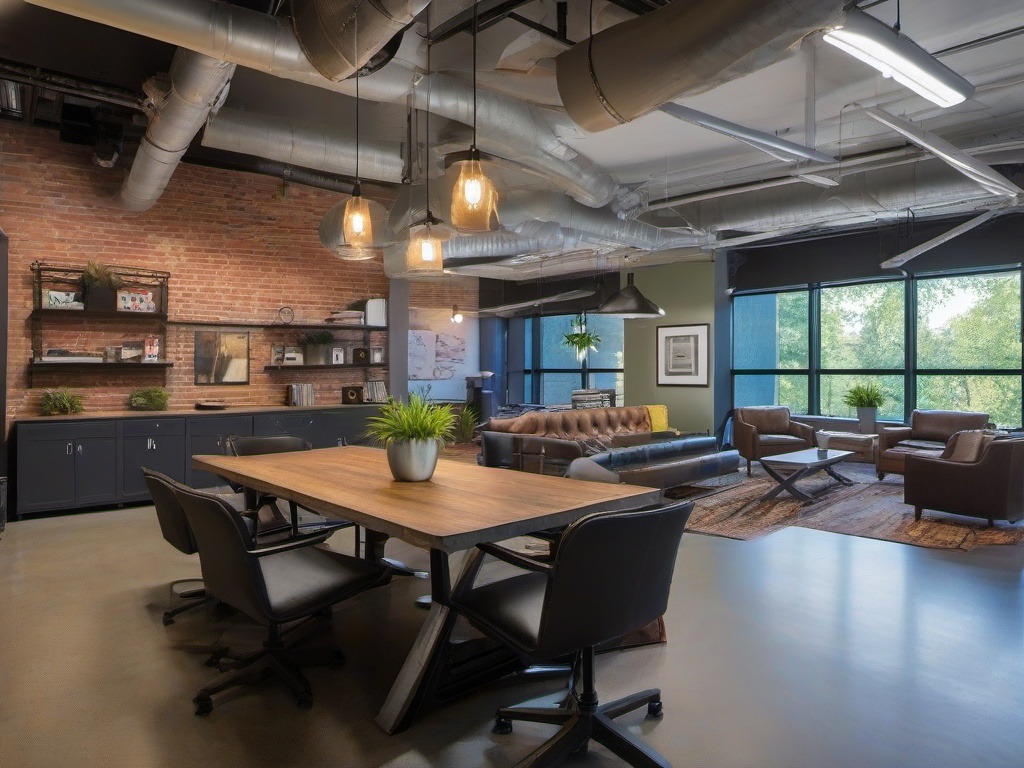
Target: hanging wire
356	45
426	121
897	27
474	71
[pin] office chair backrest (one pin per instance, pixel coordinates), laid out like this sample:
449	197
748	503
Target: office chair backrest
173	523
229	571
611	575
261	444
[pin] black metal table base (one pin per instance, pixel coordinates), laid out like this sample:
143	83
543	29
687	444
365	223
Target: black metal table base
788	482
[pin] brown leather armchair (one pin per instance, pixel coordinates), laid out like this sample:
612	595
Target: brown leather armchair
766	430
928	433
975	476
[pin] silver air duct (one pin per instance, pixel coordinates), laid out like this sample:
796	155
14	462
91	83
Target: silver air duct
680	49
197	85
282	139
507	127
335	35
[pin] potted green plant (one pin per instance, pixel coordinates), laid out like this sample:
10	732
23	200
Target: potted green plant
412	433
149	399
61	401
579	339
316	347
866	398
99	286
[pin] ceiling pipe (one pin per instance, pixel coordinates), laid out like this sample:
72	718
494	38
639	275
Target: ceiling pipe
286	141
680	49
251	39
197	85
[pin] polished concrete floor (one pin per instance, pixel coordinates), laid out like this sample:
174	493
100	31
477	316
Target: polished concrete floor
800	649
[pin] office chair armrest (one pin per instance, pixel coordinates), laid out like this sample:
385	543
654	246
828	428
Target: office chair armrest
515	558
295	542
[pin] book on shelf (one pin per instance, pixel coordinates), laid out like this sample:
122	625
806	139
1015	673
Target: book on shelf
376	391
300	394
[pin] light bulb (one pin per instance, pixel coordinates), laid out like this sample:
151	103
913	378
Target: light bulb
456	315
357	223
474	192
427	252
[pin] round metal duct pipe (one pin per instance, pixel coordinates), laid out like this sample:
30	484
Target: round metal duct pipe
680	49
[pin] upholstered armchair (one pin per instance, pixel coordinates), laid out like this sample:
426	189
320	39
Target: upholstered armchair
975	475
766	430
928	433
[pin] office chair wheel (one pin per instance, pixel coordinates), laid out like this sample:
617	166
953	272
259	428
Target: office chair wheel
168	620
581	750
304	700
204	705
654	709
502	726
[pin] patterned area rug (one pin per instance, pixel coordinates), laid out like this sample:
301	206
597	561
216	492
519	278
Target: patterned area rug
867	508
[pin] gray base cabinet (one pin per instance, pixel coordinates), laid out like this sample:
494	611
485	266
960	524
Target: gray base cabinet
69	464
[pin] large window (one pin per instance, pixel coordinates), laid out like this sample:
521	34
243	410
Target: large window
939	341
553	371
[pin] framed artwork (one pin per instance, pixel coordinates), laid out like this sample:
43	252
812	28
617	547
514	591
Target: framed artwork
222	357
338	356
683	355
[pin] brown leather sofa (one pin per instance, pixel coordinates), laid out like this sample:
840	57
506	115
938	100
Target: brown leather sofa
975	475
766	430
928	433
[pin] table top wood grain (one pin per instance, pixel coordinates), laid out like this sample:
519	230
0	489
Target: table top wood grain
460	506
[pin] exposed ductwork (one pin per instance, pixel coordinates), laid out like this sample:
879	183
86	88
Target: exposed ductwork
284	140
336	35
507	127
197	85
680	49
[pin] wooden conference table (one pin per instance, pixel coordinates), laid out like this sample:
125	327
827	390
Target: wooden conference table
461	506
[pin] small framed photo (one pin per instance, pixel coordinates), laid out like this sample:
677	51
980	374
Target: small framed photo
376	354
683	355
338	356
64	300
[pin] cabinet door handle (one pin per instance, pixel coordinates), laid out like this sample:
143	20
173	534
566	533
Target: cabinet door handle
79	448
152	442
70	450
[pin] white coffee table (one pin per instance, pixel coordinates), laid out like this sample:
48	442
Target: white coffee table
787	468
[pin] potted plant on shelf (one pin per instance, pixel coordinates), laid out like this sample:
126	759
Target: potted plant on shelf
412	433
866	398
149	399
61	402
317	347
99	285
579	339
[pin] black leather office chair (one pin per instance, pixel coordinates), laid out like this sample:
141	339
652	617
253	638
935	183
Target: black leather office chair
175	530
265	504
281	586
611	575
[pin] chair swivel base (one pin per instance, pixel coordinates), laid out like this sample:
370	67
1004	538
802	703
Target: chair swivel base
580	723
194	599
273	659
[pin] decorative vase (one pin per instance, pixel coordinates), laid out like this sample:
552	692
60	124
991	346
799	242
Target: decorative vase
868	416
413	460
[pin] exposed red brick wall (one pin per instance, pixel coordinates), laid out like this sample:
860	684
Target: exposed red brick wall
238	247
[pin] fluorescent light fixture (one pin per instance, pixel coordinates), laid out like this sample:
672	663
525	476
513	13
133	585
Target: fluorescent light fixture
780	149
898	57
900	259
984	175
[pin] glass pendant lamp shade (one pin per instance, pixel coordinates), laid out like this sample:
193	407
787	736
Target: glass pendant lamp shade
424	252
474	198
357	226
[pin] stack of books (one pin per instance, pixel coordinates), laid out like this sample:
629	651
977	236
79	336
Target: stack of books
347	316
300	394
590	398
376	391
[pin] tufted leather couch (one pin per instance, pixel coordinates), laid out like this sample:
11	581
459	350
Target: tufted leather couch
928	433
619	440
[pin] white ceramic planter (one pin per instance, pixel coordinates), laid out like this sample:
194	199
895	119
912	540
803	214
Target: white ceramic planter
413	460
868	417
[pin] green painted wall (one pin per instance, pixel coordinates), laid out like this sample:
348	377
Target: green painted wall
686	293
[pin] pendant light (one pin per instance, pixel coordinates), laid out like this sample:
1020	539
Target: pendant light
629	303
427	234
474	199
357	225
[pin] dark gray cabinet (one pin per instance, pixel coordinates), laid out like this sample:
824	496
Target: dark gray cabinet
208	435
153	443
72	463
66	465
